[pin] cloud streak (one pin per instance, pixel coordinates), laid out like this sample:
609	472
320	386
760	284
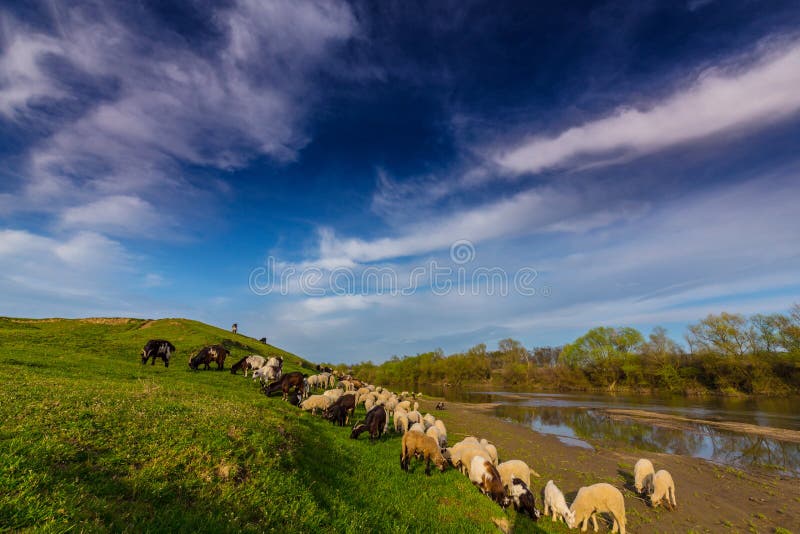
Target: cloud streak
717	102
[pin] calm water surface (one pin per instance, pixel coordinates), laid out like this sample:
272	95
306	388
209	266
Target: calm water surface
580	419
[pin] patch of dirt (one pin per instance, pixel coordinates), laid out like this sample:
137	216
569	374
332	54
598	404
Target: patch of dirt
107	320
711	498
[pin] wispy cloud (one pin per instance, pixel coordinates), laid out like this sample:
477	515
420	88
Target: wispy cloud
172	104
720	100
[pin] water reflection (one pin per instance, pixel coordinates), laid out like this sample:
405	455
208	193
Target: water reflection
581	419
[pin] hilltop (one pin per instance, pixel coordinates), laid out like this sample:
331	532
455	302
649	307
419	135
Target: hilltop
92	439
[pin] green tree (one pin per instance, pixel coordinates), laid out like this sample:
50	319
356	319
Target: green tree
727	334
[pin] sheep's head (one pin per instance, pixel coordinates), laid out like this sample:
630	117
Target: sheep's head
570	519
440	461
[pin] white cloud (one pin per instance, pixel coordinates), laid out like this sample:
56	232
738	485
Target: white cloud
172	105
718	101
537	210
118	214
21	77
35	267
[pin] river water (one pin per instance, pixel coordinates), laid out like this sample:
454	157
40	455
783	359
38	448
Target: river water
581	420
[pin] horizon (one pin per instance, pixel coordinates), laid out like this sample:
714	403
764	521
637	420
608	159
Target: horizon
358	181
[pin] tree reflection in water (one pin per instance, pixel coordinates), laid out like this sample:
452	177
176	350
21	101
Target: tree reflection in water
702	441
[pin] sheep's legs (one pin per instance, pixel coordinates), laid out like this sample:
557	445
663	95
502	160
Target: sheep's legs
594	520
615	526
585	524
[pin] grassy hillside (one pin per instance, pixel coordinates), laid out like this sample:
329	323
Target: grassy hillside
92	440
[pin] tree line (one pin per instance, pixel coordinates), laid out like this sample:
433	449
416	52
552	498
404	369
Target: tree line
725	353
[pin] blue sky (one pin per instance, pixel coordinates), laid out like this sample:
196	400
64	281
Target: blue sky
612	163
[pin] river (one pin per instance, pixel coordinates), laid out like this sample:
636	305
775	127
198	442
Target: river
582	420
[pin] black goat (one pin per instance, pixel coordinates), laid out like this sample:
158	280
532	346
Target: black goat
339	412
375	421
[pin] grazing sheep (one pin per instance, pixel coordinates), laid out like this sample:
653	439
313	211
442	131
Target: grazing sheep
514	468
440	425
663	487
470	453
400	423
484	474
492	451
316	402
522	498
404	405
416	443
334	394
429	420
594	499
435	434
470	439
375	422
456	453
642	472
554	502
419	427
414	417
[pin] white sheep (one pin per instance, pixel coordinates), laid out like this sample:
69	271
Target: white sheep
429	420
405	405
641	473
434	433
514	468
491	450
254	362
316	402
400	423
470	452
594	499
442	430
556	504
415	417
418	427
416	406
334	394
663	488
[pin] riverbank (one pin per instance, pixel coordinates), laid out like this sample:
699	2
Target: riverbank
711	498
695	392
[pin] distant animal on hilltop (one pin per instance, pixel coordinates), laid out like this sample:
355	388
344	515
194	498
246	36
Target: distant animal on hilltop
157	348
235	328
212	353
263	340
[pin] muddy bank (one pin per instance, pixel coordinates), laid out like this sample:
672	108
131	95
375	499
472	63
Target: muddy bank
711	498
686	423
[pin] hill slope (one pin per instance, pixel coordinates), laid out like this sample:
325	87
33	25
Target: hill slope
90	438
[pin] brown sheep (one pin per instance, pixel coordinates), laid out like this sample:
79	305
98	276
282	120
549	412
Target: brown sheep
417	443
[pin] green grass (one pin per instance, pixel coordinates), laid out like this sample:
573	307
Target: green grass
91	440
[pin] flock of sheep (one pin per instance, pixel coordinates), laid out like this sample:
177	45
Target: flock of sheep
507	483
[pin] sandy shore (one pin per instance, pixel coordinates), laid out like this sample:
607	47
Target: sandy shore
686	423
711	498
